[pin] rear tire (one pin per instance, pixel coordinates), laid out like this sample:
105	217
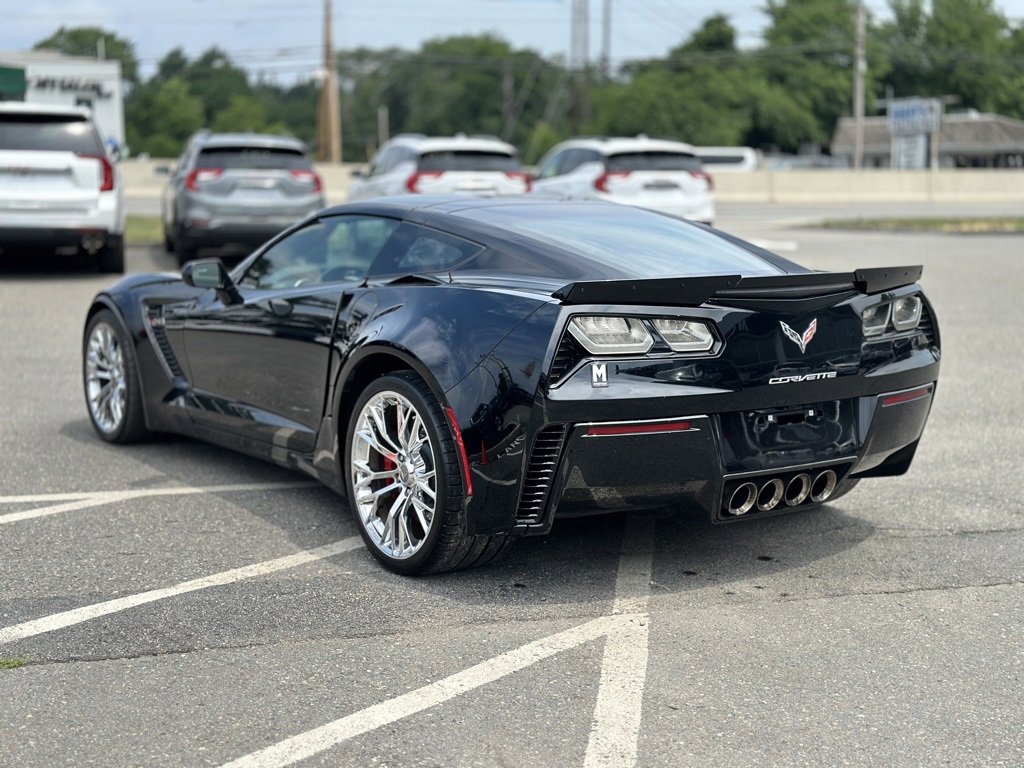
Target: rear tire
112	256
404	481
184	247
110	377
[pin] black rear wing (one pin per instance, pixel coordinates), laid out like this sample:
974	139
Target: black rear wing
694	291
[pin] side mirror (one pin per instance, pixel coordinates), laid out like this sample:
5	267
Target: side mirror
162	170
211	273
358	173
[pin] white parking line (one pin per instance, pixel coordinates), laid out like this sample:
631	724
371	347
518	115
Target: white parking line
615	732
85	500
616	727
88	612
326	736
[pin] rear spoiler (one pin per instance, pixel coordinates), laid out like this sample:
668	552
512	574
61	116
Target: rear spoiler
694	291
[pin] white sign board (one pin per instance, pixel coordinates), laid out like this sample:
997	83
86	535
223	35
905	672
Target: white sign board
910	117
909	152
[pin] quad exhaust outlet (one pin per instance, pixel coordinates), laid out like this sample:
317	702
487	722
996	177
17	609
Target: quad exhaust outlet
766	495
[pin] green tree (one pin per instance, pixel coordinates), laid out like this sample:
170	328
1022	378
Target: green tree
85	41
160	117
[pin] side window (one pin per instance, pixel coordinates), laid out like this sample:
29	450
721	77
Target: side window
415	249
549	167
577	157
330	250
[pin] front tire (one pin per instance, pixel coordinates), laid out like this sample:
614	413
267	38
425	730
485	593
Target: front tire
111	380
405	482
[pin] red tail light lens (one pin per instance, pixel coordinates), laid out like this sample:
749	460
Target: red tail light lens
601	182
467	478
412	184
106	171
521	176
306	176
650	428
706	176
199	175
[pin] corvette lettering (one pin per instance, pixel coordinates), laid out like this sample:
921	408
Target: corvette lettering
802	377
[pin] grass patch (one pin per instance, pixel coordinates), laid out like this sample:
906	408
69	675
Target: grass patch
995	225
12	663
143	230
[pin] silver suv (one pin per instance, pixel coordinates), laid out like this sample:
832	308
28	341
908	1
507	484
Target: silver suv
412	163
59	189
237	189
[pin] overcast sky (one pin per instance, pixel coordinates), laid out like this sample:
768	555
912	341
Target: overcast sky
282	38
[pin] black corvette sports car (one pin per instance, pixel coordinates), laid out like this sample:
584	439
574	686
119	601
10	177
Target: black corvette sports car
466	370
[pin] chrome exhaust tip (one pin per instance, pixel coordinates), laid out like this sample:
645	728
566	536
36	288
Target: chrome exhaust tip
742	499
823	485
769	495
798	489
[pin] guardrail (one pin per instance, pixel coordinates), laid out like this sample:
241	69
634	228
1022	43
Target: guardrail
797	186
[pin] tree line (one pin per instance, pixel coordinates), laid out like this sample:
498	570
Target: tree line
783	95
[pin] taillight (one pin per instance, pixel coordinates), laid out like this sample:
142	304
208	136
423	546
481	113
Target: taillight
305	176
601	182
199	175
520	176
106	171
706	176
412	183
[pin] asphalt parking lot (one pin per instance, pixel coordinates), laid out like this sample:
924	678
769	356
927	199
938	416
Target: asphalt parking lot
174	604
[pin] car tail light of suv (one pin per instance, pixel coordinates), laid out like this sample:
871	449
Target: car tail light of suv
306	176
412	184
521	176
107	171
601	182
706	176
199	175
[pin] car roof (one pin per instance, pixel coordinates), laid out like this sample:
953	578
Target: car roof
32	108
256	140
613	145
460	141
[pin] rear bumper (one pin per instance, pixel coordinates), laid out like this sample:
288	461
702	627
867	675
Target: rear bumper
17	240
698	462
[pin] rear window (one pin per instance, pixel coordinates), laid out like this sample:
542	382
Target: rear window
253	158
468	161
618	240
52	133
653	161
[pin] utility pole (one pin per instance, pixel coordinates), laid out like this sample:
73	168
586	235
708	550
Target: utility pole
606	40
579	56
860	68
329	112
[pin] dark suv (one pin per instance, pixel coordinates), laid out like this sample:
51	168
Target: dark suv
237	189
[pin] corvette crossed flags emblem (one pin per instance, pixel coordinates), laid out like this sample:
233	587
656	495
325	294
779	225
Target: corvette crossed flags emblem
796	338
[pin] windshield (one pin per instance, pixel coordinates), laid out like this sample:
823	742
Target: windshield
619	240
468	161
54	133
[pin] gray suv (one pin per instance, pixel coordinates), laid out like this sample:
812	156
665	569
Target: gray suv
237	189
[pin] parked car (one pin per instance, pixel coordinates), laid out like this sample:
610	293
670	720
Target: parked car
237	189
661	175
469	165
59	189
466	370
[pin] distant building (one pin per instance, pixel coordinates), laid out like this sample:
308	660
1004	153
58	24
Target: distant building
52	78
967	140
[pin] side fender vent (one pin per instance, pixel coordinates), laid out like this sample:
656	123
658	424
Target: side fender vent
155	326
567	356
540	473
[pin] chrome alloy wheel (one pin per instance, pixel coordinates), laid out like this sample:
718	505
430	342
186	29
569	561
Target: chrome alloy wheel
105	383
393	475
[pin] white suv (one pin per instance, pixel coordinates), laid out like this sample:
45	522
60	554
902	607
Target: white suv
58	187
414	163
661	175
